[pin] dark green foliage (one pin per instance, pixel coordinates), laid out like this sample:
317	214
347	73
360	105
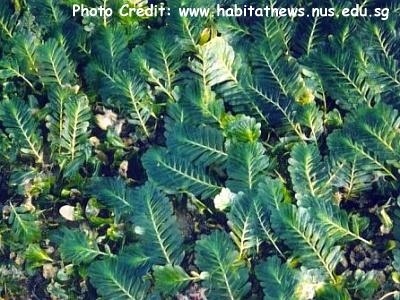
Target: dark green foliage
247	165
199	157
174	174
110	47
17	118
313	190
7	20
377	129
160	238
309	174
343	80
117	280
54	64
228	277
278	280
243	223
24	225
307	238
370	135
77	248
113	193
55	120
160	59
203	146
332	292
74	146
25	48
352	177
170	279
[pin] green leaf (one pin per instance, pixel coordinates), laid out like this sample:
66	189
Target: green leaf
249	216
160	237
202	146
310	116
351	178
309	34
111	46
331	292
113	193
160	240
129	92
243	129
36	256
214	63
55	119
385	70
382	39
275	72
307	239
161	59
197	106
234	31
343	80
228	277
77	248
74	138
279	111
170	279
309	175
174	174
277	279
365	284
8	20
246	166
187	29
54	64
272	192
135	256
242	222
17	118
115	280
345	147
276	33
25	47
24	225
10	68
378	129
338	224
48	13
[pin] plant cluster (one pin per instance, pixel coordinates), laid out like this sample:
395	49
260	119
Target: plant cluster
198	158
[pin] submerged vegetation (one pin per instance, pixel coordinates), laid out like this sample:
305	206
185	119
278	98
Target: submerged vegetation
198	158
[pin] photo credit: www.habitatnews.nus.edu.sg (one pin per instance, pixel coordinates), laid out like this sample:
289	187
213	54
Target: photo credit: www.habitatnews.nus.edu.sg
153	10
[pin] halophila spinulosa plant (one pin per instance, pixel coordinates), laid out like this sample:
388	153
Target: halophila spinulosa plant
213	157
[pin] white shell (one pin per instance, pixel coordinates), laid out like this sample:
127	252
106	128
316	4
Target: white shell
107	120
224	199
67	212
